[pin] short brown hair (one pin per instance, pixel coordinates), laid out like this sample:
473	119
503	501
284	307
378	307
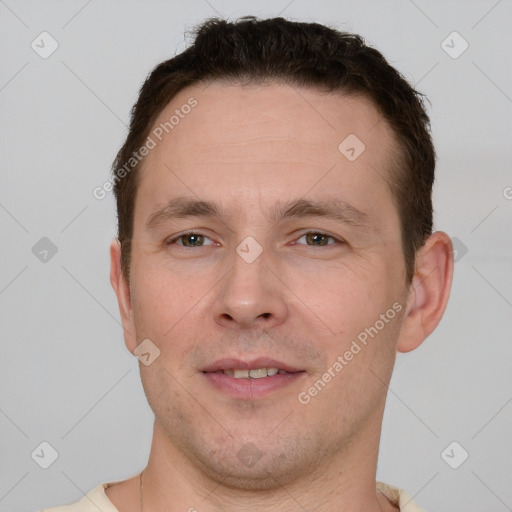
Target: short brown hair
300	54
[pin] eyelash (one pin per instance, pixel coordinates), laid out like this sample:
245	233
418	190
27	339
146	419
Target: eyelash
175	239
321	233
172	241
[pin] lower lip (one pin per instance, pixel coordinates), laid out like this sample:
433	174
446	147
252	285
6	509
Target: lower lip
252	388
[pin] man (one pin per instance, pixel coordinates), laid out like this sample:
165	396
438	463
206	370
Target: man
275	251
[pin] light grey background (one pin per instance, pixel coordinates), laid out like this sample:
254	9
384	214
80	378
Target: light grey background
66	377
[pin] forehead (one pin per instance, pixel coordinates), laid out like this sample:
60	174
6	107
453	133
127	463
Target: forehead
268	115
272	138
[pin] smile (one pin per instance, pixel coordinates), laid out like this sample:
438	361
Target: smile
250	379
255	373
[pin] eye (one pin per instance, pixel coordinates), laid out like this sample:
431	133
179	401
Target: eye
318	239
191	240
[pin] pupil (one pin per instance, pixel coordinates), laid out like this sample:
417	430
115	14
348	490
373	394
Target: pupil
317	239
193	239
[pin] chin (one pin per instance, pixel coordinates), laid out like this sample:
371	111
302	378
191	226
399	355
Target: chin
258	465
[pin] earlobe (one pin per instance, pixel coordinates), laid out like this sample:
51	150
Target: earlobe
122	291
429	291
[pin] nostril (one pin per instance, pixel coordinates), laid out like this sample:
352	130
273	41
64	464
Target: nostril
265	315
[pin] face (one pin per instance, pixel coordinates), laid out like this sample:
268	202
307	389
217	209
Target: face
267	268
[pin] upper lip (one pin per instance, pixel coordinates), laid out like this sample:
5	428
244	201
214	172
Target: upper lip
260	362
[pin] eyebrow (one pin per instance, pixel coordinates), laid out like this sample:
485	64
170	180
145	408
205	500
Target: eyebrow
335	209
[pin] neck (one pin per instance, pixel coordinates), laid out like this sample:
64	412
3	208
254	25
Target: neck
344	482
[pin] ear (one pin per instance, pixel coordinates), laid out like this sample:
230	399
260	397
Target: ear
428	292
122	289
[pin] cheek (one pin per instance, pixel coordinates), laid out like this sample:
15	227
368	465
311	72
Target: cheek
164	299
359	363
342	296
355	324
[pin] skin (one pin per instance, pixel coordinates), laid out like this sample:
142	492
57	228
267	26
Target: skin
248	149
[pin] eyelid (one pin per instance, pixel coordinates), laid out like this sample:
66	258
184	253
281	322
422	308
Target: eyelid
337	239
172	240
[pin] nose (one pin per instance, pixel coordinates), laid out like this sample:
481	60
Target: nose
250	296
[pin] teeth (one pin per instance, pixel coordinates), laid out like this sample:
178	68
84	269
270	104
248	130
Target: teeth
256	373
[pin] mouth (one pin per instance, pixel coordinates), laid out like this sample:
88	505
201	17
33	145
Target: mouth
254	373
250	379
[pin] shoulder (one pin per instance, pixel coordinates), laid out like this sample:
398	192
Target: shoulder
399	498
94	500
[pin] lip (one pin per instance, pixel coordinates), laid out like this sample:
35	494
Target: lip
250	389
260	362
